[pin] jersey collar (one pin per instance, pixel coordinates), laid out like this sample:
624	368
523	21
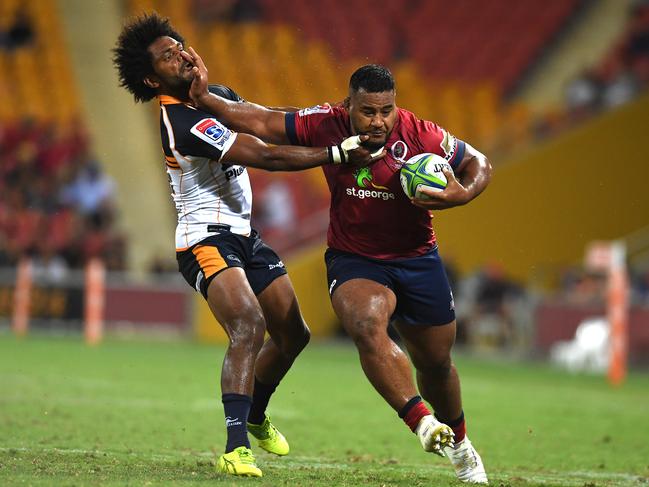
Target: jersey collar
168	100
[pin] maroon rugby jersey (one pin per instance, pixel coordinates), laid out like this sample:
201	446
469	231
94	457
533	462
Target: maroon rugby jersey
370	214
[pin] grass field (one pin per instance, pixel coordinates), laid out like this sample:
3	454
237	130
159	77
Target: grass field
136	413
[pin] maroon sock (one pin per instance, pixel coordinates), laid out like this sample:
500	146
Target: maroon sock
413	411
458	426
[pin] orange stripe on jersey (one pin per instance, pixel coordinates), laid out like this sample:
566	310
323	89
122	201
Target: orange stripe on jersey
168	100
172	163
209	259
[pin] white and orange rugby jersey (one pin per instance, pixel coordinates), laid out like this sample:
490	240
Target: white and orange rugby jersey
209	195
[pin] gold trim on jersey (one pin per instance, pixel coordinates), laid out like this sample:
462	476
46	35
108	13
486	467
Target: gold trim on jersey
209	259
172	162
168	100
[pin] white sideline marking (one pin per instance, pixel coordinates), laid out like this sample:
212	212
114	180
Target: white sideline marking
317	463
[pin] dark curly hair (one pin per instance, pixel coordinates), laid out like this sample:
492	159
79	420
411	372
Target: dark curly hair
131	56
372	78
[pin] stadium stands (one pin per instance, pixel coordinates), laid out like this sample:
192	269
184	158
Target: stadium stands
466	40
44	149
54	200
617	78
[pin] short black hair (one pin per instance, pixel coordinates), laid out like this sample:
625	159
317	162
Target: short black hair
131	56
372	78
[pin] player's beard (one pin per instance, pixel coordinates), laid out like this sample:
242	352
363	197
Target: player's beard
374	146
181	86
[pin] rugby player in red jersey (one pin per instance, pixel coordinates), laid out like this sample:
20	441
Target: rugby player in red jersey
218	253
382	259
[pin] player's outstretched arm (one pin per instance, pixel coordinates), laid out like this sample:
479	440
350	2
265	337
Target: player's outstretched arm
245	117
250	151
473	176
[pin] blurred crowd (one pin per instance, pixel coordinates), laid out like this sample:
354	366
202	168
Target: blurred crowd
495	311
56	204
620	76
581	286
614	81
19	32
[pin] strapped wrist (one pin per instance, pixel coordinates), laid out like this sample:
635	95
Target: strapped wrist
336	154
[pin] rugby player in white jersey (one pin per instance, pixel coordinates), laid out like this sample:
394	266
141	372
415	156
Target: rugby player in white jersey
219	254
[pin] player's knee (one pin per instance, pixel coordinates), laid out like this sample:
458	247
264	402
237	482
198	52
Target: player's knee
435	365
296	341
367	334
246	332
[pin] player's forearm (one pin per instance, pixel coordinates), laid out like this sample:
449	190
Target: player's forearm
292	158
476	175
284	109
246	117
251	151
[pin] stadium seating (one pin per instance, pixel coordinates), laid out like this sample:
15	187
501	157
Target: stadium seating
41	61
43	142
467	40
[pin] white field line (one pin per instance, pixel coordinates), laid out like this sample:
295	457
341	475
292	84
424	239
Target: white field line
564	478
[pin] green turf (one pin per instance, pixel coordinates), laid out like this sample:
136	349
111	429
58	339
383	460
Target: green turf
134	413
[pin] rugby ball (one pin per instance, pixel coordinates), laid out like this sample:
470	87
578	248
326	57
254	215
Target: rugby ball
423	170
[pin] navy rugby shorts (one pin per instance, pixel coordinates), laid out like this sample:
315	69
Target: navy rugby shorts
424	296
201	263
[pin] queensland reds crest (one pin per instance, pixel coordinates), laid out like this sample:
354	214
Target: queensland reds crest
399	151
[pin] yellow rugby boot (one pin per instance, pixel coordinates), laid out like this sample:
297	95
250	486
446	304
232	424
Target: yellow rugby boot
433	435
239	461
269	438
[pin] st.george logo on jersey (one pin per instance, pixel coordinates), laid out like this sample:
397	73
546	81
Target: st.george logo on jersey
212	132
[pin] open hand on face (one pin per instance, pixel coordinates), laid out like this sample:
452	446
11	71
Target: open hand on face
199	87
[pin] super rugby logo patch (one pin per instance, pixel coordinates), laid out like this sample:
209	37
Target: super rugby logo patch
212	132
